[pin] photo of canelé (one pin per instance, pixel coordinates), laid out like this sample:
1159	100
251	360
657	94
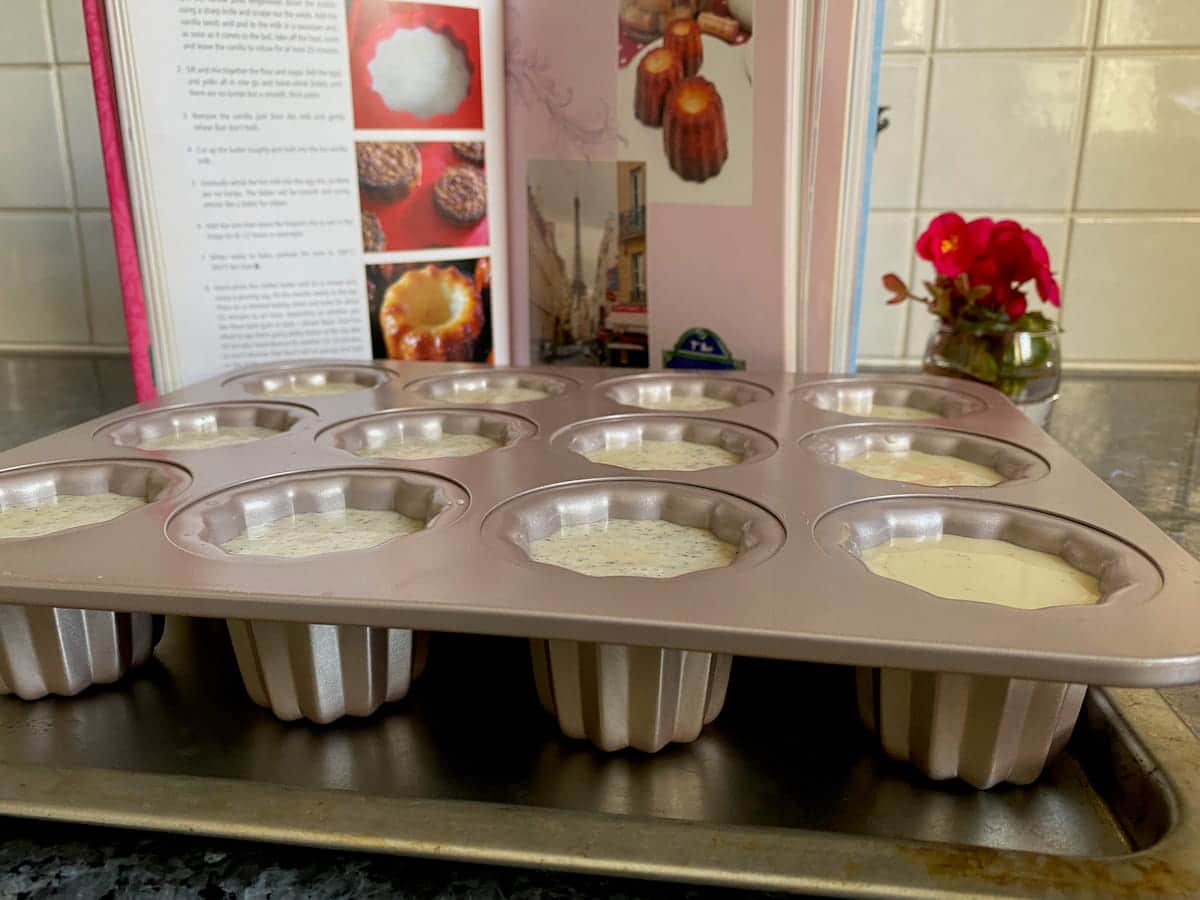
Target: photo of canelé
685	97
435	311
415	196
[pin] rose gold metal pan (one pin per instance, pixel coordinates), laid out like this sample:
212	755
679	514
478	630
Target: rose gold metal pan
808	598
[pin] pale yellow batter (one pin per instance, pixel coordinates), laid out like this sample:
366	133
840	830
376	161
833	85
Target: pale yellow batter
884	411
984	570
420	447
647	548
495	395
680	456
62	512
292	389
311	534
682	403
221	436
916	467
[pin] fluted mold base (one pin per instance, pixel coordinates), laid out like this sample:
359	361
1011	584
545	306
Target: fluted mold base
50	650
981	729
324	672
618	696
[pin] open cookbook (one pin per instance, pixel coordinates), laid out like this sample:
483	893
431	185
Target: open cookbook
629	183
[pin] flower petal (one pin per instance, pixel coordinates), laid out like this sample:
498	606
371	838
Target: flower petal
1037	249
978	233
1048	288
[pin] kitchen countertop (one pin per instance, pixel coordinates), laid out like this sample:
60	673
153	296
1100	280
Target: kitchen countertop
1140	434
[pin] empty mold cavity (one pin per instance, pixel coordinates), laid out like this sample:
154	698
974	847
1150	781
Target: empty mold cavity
682	393
316	513
204	426
489	386
36	501
665	443
890	400
310	381
934	457
427	434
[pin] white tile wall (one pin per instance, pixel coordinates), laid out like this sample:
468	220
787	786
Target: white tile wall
42	298
1079	118
971	24
70	42
83	136
999	131
60	285
1130	271
889	249
1142	149
908	24
902	91
24	37
32	155
100	266
1148	23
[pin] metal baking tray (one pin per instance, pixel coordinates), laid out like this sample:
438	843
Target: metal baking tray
796	591
789	797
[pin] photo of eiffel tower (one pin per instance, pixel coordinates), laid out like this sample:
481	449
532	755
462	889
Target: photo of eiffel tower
588	307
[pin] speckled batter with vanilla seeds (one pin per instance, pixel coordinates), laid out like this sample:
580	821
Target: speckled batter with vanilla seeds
311	390
682	403
495	395
214	437
421	447
678	456
311	534
644	548
62	512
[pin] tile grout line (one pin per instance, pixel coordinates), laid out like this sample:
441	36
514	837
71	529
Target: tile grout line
1089	76
72	186
935	9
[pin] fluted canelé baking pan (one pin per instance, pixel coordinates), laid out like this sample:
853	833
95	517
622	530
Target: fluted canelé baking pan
797	589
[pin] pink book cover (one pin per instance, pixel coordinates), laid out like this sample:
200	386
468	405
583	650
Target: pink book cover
128	268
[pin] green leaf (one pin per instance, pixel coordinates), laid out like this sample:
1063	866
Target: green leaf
1033	321
970	354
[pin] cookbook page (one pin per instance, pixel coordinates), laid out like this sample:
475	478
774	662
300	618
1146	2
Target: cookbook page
317	175
656	145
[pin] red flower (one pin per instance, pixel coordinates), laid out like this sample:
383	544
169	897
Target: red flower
1013	249
984	271
1047	287
953	244
1015	305
1037	250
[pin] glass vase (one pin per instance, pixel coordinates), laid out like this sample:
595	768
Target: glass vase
1025	366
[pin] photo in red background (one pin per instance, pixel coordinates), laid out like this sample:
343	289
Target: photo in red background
371	21
413	222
